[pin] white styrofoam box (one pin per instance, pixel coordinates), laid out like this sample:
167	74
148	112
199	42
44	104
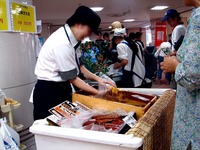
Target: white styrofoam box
51	138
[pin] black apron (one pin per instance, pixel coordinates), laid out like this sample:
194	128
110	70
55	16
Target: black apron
48	94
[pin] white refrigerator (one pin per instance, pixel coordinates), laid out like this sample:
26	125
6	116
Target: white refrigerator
17	63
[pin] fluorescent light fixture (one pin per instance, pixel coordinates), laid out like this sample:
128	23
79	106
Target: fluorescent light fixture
129	20
159	7
97	8
109	27
147	26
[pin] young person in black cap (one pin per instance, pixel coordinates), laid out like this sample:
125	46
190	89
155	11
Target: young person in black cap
58	64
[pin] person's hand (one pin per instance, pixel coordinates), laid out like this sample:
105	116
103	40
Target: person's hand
101	94
117	65
169	64
103	82
173	54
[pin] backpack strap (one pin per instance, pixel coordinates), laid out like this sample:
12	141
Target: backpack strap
133	61
132	50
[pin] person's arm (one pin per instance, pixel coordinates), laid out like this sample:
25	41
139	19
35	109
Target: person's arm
122	55
89	75
94	77
84	86
177	33
123	63
169	64
188	71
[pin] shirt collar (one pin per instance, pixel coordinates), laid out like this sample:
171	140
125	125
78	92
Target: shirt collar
72	38
123	41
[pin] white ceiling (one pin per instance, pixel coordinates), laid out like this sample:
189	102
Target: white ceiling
57	11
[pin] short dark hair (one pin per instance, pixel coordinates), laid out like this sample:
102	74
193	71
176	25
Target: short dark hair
99	33
138	34
176	16
106	34
132	35
72	22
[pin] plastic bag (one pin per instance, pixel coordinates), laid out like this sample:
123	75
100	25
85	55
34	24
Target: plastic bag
112	71
2	147
106	87
10	137
78	120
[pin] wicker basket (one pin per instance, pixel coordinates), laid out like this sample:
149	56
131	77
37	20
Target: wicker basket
155	127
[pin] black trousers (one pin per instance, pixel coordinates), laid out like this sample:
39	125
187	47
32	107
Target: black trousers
48	94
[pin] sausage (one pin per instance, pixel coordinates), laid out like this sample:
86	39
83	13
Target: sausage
88	123
110	116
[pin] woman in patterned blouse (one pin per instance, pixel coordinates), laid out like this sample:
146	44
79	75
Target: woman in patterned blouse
186	65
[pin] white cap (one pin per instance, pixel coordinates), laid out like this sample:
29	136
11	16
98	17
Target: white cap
120	32
87	39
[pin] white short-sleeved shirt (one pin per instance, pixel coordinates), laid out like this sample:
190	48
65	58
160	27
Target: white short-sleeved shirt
57	61
178	31
124	52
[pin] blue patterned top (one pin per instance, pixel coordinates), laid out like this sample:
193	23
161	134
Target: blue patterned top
186	125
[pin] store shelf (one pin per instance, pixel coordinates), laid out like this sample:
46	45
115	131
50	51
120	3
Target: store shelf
18	127
9	107
22	147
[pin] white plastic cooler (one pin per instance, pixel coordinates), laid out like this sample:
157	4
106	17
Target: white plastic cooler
57	138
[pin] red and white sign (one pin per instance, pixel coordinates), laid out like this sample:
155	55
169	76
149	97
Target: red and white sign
160	33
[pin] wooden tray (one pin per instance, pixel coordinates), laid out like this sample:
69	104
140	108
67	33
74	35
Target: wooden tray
124	100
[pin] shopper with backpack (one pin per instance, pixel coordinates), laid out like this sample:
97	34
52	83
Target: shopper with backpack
130	60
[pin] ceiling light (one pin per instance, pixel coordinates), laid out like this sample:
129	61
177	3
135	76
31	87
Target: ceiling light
147	26
109	27
129	20
159	7
96	8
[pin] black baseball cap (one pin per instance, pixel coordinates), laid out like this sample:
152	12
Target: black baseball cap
86	16
169	14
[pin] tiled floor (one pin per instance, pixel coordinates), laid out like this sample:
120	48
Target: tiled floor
162	84
30	144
